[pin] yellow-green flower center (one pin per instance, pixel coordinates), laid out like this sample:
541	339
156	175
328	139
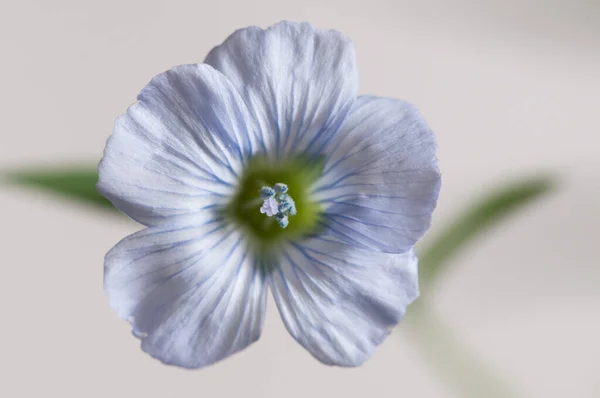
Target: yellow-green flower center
249	206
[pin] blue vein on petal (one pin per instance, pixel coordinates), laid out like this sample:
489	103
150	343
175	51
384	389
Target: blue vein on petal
351	154
224	132
178	84
197	285
248	304
136	237
358	171
293	313
339	232
328	126
366	237
341	200
300	131
291	113
228	291
335	185
295	268
335	231
185	183
375	158
261	272
287	289
346	196
331	167
211	277
386	318
333	131
313	262
225	163
188	128
425	214
164	249
188	195
365	147
260	133
192	162
275	118
304	251
213	177
343	216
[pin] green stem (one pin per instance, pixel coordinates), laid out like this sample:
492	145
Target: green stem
450	359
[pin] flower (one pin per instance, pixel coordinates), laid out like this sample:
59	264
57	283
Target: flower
262	169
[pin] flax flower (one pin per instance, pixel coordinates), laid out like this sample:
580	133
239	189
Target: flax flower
262	169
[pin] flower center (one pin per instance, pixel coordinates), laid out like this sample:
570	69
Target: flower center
278	203
273	201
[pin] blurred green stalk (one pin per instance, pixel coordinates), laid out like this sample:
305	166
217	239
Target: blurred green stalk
454	362
475	219
451	360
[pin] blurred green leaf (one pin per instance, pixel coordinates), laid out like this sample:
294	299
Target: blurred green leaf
73	182
476	218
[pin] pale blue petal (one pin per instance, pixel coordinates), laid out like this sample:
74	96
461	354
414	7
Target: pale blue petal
179	149
340	302
190	289
299	82
381	180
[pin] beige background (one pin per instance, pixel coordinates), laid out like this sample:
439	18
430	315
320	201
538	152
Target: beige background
512	88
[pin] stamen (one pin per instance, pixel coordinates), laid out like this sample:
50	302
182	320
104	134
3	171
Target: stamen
284	207
287	201
278	203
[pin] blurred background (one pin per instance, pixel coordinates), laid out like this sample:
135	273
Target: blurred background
512	89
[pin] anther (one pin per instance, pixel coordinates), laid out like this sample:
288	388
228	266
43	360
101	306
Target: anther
266	192
280	188
282	219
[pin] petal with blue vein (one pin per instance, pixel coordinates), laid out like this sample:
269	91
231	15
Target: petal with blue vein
179	149
340	302
190	289
298	81
381	179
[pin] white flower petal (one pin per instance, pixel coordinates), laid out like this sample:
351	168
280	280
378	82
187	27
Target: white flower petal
381	180
190	290
299	82
340	302
179	148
